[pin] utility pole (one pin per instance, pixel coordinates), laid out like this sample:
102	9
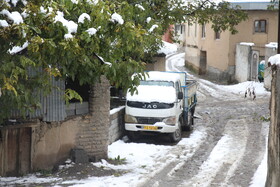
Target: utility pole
278	48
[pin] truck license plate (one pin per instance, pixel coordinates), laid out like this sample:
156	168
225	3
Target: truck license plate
150	127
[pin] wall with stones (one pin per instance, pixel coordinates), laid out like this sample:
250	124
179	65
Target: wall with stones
116	129
94	138
273	174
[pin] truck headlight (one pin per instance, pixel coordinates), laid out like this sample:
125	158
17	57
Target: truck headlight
170	120
130	119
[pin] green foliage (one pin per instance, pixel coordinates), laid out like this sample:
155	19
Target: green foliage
125	45
72	94
118	160
265	118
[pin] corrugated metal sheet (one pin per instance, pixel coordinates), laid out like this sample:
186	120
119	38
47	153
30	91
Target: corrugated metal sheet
52	106
54	103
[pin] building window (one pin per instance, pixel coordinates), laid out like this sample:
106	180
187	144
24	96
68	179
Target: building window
182	29
203	33
189	29
179	29
217	35
195	29
260	26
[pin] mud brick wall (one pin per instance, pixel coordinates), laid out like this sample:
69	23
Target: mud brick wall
273	169
49	144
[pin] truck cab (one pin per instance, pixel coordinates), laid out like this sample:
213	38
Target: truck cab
161	105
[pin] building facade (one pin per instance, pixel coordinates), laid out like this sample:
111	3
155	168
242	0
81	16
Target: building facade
211	53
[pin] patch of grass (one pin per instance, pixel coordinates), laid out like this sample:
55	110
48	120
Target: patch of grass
265	118
44	173
118	160
118	174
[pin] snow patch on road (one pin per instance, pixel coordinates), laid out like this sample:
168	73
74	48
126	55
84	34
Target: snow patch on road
229	150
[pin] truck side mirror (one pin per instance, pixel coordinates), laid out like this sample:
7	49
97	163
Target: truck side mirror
180	95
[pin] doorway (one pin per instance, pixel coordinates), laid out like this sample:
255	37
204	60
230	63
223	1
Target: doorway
202	63
254	65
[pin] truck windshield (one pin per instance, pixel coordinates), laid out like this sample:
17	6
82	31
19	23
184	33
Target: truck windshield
157	83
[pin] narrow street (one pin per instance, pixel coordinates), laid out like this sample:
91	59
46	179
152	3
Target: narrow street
234	144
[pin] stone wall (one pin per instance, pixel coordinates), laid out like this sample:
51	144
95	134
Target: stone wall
116	129
273	174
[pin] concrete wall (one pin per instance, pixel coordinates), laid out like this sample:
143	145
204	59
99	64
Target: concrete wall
158	65
242	62
51	143
221	52
269	51
273	170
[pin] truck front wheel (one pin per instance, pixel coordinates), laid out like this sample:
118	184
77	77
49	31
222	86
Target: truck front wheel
133	136
177	135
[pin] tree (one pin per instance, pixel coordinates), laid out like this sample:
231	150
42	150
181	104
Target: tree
76	38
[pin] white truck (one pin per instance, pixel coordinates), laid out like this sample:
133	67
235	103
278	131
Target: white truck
165	103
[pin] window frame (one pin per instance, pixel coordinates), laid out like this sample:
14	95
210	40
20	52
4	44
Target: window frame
203	31
260	26
217	35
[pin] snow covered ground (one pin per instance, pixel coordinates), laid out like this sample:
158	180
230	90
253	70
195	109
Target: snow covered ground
146	160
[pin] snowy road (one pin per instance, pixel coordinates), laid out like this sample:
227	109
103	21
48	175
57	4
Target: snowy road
235	140
226	147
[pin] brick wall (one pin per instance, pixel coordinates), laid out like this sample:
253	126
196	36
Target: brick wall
94	138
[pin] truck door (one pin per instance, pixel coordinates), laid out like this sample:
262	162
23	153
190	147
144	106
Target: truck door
179	103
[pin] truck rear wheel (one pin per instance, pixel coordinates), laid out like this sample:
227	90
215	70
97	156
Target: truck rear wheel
190	121
177	135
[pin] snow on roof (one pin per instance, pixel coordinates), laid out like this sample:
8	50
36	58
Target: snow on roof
243	4
147	93
168	48
247	43
272	45
274	60
162	76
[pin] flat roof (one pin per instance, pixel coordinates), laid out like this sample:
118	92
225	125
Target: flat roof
252	5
